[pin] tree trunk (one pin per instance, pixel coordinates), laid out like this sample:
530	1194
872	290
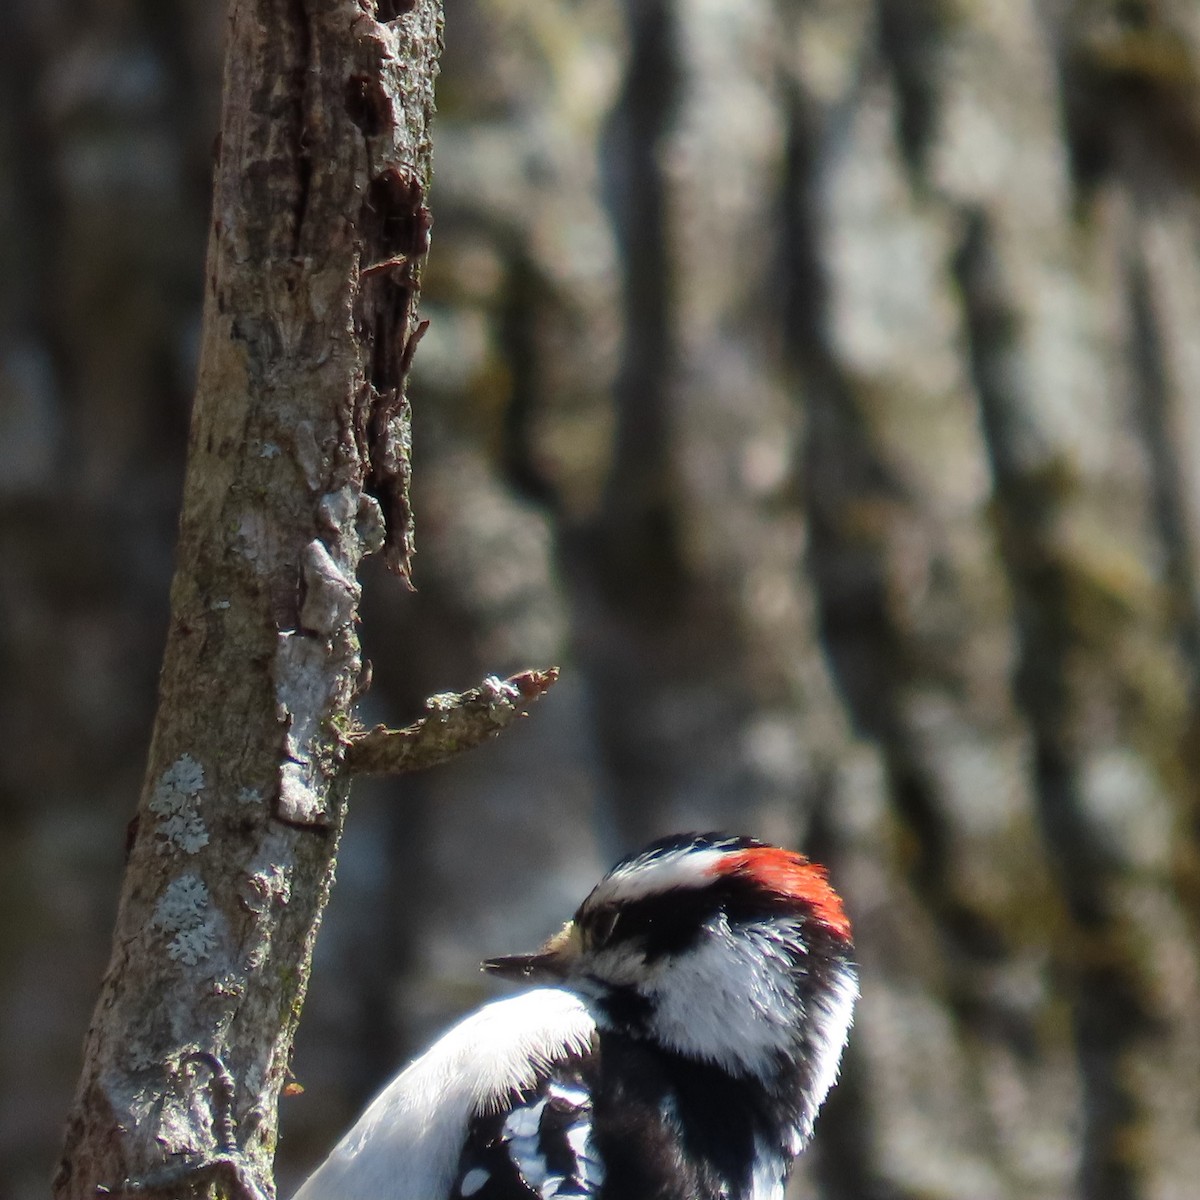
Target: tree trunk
298	463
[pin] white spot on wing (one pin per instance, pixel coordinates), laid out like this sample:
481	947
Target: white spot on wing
473	1180
521	1131
532	1142
569	1093
528	1160
579	1138
588	1173
523	1122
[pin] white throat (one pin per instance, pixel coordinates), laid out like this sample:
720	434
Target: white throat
729	1000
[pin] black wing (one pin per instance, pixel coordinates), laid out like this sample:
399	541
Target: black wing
539	1146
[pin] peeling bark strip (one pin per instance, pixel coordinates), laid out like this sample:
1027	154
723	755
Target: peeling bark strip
298	466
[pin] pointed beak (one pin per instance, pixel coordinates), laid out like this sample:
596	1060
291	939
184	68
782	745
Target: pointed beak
551	964
526	968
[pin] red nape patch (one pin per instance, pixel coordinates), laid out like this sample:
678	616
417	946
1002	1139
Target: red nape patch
787	873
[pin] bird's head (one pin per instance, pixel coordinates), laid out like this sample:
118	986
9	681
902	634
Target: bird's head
719	949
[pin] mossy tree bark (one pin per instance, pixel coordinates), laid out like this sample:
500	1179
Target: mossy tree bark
298	466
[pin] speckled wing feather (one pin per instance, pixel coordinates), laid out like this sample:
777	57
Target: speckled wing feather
539	1146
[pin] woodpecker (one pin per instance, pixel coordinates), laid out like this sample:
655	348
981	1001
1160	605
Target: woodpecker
675	1042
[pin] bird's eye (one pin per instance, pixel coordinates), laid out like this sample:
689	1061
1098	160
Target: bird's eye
603	925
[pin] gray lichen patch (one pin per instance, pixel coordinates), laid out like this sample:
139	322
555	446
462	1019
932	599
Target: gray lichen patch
176	803
183	913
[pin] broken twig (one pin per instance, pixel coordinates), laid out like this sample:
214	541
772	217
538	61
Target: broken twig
457	721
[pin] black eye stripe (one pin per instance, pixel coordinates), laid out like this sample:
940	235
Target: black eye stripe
669	922
602	924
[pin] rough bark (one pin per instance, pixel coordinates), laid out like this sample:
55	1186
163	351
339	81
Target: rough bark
297	467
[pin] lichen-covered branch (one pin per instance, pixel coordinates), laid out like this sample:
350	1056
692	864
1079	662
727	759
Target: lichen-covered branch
298	466
457	721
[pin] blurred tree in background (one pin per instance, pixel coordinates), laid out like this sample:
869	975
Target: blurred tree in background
818	381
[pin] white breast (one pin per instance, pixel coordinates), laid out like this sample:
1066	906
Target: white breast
406	1145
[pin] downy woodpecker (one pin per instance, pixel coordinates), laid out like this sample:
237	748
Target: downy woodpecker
675	1041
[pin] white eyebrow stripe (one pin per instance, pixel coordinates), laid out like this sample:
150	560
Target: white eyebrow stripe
683	868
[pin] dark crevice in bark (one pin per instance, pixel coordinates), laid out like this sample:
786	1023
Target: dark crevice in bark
304	174
627	561
1107	1011
298	22
518	335
1151	404
637	537
837	464
910	34
1128	85
395	226
368	105
393	10
1027	498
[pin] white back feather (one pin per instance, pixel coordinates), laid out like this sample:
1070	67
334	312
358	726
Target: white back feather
406	1145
